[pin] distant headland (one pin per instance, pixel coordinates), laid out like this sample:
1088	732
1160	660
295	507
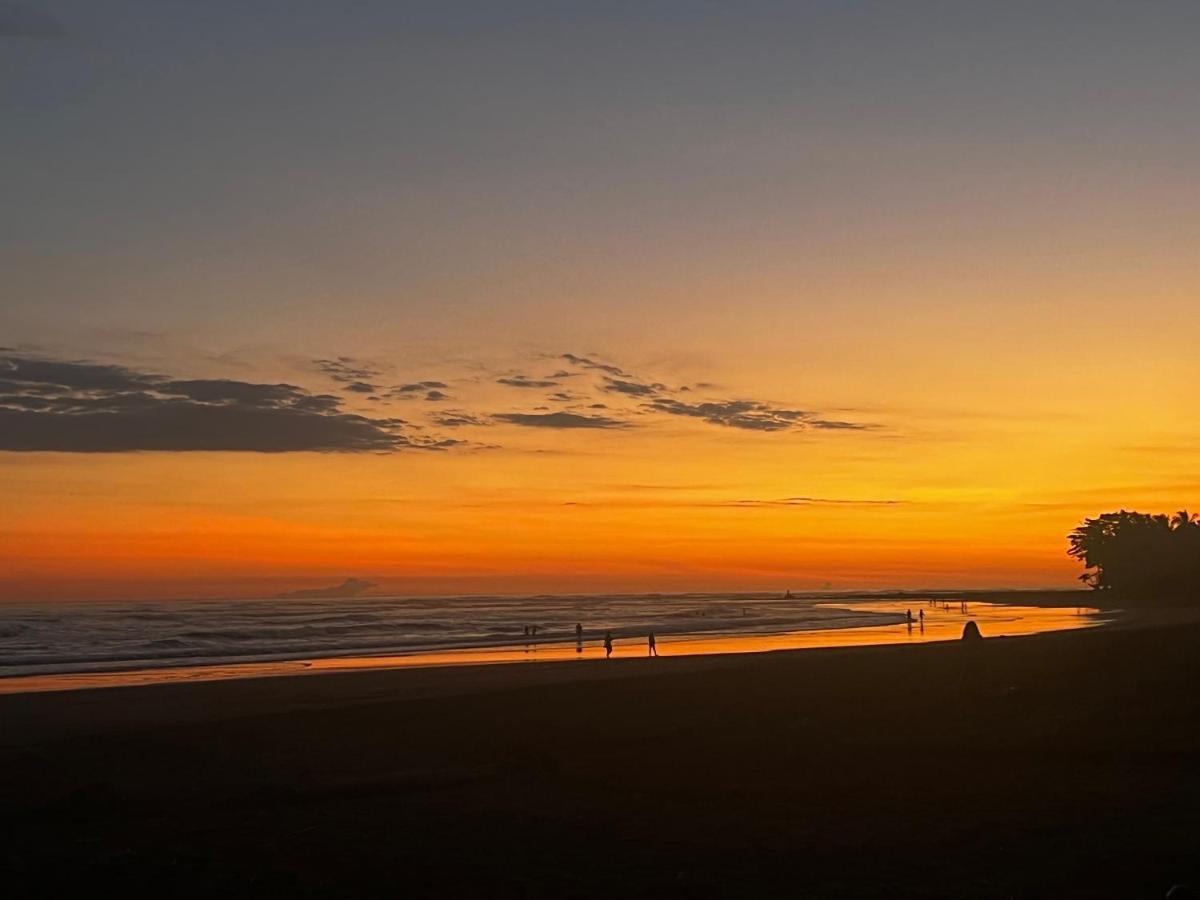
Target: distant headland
351	587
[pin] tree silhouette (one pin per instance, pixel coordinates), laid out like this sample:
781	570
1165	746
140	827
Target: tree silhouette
1140	557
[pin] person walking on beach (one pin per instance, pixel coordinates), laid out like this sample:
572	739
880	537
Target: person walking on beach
578	637
607	644
922	618
652	645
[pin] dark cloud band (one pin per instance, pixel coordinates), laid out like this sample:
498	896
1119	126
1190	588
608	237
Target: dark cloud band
80	407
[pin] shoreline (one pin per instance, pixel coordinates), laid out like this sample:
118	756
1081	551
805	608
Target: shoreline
942	625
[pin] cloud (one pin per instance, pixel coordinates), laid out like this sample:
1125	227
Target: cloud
82	407
558	420
834	425
586	363
406	391
361	387
520	381
632	388
19	20
455	418
346	369
750	415
435	396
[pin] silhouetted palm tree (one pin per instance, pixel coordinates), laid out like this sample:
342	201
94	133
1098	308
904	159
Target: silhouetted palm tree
1142	557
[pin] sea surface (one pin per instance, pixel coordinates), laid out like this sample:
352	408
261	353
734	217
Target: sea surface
52	645
95	636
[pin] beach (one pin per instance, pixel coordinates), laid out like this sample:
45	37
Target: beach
1059	764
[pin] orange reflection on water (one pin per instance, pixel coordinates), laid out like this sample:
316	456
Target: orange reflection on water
941	624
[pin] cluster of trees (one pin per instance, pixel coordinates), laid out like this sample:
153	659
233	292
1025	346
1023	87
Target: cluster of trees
1141	557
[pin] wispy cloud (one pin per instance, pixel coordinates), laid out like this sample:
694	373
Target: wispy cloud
750	415
632	388
454	418
587	363
357	377
558	420
521	381
412	389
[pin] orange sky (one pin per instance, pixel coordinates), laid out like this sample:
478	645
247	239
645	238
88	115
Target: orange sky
937	500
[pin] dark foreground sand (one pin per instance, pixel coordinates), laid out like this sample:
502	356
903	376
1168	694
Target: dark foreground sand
1063	765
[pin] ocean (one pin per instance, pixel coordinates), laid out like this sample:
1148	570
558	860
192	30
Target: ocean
95	636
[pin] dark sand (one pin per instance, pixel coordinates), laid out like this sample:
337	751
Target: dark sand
1062	765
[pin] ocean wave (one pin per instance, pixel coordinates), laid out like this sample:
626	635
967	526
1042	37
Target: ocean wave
104	636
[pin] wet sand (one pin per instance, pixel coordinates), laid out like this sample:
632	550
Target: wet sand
1059	765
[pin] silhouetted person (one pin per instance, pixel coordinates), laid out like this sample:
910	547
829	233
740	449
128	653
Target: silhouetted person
922	618
908	616
971	632
607	644
651	645
578	638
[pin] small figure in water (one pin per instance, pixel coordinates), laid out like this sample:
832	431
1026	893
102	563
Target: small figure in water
578	638
922	617
607	644
652	645
908	616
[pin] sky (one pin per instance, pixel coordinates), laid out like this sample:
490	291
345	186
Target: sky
563	297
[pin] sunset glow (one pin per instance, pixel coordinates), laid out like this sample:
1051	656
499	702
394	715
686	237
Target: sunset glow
740	328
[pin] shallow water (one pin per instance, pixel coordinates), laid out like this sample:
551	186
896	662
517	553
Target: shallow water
57	647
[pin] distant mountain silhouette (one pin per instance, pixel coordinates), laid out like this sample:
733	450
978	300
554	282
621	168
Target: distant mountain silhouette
351	587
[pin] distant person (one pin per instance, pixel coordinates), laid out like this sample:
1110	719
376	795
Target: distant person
922	617
652	645
525	631
607	644
908	616
578	637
